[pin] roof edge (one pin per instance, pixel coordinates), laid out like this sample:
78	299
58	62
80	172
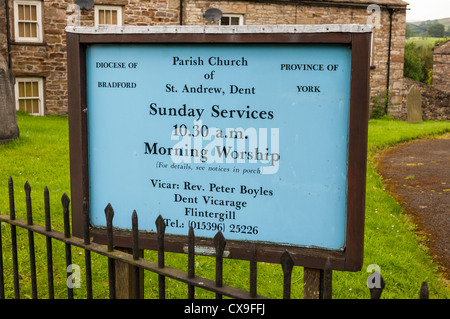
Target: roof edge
293	28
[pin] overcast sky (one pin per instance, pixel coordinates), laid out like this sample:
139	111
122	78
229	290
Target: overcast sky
427	10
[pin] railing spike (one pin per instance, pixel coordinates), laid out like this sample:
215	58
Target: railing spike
31	241
48	226
27	187
287	264
161	228
109	213
191	253
65	203
135	235
376	290
65	200
12	216
12	205
28	203
424	293
219	243
191	261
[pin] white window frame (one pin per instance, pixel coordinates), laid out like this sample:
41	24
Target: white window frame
39	32
40	97
115	8
230	15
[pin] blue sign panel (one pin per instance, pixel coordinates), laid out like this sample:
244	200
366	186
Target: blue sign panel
251	140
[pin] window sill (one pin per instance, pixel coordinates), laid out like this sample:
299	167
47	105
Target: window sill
29	43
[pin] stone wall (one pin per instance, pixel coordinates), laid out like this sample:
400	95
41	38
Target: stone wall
289	12
48	59
441	66
435	103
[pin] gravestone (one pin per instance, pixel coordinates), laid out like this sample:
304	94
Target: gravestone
414	105
8	121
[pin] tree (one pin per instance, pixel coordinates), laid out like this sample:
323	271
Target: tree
436	30
410	32
8	120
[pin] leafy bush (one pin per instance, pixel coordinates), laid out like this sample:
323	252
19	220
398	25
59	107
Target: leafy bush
379	105
413	63
418	63
436	30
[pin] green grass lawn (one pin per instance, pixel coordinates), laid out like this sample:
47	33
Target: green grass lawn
41	156
423	40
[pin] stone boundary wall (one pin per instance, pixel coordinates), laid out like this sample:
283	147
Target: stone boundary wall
435	103
441	66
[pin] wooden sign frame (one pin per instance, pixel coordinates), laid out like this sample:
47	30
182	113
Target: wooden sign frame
357	37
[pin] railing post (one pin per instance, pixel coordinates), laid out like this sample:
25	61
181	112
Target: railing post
48	227
161	228
287	264
87	252
219	243
191	261
31	241
424	293
12	216
65	202
109	213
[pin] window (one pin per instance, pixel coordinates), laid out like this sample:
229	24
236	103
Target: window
29	95
232	19
28	21
108	15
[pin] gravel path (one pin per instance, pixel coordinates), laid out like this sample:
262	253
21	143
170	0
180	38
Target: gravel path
417	174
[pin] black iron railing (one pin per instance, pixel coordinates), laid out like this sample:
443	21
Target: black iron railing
134	258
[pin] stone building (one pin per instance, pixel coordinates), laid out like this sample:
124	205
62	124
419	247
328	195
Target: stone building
32	35
441	67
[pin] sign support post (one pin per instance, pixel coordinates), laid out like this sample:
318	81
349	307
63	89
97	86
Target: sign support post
124	278
312	283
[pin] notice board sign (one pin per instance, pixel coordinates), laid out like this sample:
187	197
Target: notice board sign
257	132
